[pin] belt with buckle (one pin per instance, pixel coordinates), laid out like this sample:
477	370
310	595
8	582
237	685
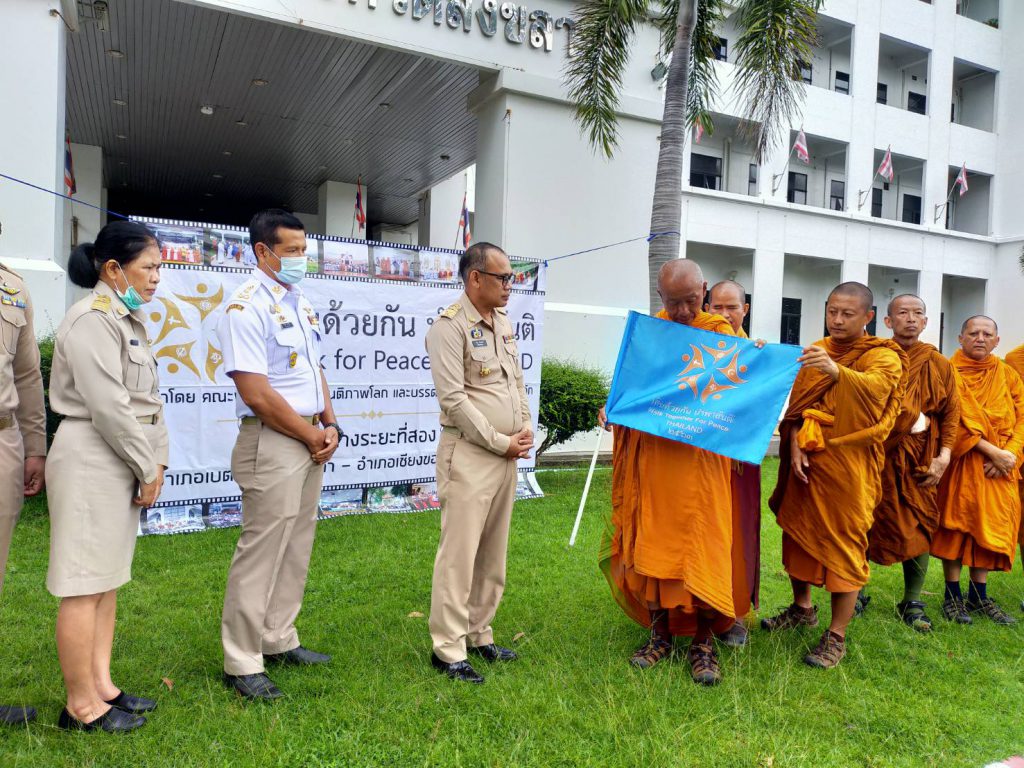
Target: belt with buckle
250	420
153	418
6	422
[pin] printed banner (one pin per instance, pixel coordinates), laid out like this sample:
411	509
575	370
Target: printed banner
720	393
373	354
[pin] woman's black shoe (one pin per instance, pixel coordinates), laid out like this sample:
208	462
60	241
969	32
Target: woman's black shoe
134	704
113	720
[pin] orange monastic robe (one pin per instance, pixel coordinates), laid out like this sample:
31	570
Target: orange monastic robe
980	516
746	530
907	515
670	540
1015	360
843	426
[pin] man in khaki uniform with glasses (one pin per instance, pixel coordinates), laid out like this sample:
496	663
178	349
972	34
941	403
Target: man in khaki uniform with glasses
22	425
485	420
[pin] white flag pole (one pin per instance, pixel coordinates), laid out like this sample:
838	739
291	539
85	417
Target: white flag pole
586	488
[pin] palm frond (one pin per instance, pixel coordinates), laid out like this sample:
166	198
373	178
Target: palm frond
598	56
776	36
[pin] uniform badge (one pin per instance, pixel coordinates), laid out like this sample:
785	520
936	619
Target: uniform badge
293	358
485	371
248	290
314	321
276	308
287	324
239	307
452	311
10	301
509	337
277	290
476	333
9	290
479	343
101	303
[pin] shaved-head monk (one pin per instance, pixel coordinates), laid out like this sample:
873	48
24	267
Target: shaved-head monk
979	502
843	405
917	454
668	552
729	299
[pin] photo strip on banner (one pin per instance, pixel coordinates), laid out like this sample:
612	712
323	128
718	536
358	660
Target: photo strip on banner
374	306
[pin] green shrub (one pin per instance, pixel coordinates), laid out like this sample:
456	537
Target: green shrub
45	362
570	397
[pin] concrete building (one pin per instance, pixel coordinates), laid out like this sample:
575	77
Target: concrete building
206	110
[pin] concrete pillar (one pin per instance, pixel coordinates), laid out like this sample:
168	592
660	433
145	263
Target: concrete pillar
83	221
929	288
336	212
766	294
855	272
935	181
860	158
32	63
444	206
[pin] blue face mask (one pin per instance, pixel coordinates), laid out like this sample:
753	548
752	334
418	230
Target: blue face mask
131	297
293	268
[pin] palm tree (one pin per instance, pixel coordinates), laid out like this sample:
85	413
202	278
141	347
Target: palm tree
775	36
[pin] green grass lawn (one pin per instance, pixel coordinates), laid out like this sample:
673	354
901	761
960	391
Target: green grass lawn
899	699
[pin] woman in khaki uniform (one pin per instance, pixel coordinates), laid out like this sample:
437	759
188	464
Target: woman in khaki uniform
107	460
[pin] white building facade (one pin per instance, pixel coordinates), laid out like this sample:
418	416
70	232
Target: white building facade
204	110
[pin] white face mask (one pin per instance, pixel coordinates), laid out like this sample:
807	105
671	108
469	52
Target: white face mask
293	268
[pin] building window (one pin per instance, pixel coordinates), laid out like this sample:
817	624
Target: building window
916	102
705	171
805	71
752	179
843	82
797	191
837	196
876	203
882	94
722	49
912	209
790	332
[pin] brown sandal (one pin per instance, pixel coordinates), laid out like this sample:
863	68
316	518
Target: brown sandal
654	650
704	667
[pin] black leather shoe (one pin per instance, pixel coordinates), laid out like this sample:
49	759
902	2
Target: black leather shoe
493	652
14	715
134	704
300	656
457	670
257	687
114	720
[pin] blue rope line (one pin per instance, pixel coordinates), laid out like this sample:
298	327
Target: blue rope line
648	238
66	197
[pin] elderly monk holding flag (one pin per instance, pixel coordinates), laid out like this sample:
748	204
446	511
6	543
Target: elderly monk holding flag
979	501
668	554
844	403
729	299
917	454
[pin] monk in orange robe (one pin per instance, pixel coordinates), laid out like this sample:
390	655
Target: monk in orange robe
979	500
667	554
729	299
1015	360
844	403
917	455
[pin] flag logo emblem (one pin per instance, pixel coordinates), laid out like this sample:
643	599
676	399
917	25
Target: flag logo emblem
710	371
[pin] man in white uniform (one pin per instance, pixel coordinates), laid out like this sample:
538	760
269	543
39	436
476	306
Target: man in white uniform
271	340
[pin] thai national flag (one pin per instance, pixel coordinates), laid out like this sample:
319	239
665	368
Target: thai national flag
698	132
885	169
466	235
69	170
360	213
800	145
961	179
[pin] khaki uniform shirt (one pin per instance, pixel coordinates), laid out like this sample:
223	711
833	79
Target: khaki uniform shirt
477	375
104	371
21	382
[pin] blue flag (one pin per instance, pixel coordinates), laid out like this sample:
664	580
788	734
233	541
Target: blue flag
720	393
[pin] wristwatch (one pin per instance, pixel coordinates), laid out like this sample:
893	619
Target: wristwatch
336	427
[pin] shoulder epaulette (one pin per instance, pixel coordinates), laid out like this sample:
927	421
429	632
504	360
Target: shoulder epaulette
247	290
100	304
452	311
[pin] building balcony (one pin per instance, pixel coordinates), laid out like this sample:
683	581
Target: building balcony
902	75
901	199
974	96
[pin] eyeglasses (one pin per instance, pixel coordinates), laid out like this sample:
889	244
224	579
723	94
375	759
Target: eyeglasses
505	279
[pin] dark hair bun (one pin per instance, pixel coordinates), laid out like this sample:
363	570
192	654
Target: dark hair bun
82	266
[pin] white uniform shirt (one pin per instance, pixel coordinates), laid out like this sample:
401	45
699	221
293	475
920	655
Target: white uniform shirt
273	330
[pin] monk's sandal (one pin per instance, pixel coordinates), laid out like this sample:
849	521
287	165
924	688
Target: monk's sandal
656	649
792	617
829	653
953	609
913	615
989	607
704	667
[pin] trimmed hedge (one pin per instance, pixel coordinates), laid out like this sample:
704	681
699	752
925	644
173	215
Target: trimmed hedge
570	397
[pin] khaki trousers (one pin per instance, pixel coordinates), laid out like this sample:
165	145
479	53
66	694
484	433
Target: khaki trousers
12	489
476	489
280	495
